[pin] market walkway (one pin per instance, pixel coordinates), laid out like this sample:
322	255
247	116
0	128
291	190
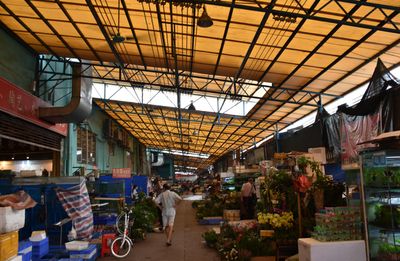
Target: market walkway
186	243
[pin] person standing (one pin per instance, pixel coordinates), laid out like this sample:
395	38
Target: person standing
248	196
168	200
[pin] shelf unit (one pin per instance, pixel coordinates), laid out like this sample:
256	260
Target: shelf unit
381	202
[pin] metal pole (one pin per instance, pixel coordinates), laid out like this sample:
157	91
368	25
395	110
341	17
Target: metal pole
363	208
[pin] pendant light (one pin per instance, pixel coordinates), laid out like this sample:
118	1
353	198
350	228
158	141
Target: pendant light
204	20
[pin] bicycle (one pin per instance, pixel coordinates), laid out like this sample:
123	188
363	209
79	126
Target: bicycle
122	245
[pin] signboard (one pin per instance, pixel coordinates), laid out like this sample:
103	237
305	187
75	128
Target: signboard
21	104
121	173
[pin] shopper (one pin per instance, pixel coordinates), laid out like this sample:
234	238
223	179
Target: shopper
134	193
168	200
249	199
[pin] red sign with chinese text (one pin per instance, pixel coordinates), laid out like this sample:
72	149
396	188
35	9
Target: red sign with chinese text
21	104
121	173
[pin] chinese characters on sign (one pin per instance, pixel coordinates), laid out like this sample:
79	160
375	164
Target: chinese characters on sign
121	173
21	104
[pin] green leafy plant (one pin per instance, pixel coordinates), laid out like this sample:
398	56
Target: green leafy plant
144	213
280	181
383	216
232	201
211	238
386	248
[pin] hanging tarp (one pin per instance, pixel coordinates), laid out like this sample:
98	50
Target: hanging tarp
75	201
376	94
355	130
373	115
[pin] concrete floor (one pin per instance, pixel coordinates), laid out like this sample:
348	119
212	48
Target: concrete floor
186	242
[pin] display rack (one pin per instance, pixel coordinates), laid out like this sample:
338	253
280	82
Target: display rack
381	200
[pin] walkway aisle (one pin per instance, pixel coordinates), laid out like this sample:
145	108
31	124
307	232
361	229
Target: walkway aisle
186	242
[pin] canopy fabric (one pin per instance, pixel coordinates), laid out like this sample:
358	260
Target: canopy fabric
308	49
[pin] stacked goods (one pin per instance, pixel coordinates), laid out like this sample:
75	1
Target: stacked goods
231	215
8	245
10	222
88	254
25	250
338	224
40	248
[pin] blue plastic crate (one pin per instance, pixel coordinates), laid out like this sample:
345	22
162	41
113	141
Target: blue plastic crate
216	221
25	250
40	248
108	219
87	254
203	222
59	251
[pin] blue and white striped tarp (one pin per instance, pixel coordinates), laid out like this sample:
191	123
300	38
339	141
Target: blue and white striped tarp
75	201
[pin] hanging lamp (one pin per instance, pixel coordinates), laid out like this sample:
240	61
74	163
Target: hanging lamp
204	20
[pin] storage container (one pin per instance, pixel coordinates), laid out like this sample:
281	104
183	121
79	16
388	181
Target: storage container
11	220
87	254
104	219
15	258
8	245
76	245
25	250
40	248
231	215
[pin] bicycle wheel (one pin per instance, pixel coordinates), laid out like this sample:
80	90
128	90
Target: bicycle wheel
120	247
120	223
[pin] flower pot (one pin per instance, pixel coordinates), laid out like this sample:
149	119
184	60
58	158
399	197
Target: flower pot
267	233
263	258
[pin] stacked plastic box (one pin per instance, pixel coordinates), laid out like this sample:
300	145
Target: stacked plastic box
10	222
338	224
88	254
40	249
25	250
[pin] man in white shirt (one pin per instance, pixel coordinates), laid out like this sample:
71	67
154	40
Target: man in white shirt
168	201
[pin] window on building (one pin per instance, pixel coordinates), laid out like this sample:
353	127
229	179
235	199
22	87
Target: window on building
86	146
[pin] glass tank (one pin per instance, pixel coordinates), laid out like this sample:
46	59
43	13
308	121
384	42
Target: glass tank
381	179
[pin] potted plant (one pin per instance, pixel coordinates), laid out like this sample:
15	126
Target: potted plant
389	252
211	238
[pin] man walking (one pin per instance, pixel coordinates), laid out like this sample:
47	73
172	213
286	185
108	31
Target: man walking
168	201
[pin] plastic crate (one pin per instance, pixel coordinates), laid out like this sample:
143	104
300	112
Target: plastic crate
216	221
40	249
104	219
111	187
203	222
25	250
8	245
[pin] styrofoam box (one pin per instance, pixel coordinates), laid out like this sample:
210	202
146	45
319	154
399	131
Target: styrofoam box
314	250
11	220
76	245
15	258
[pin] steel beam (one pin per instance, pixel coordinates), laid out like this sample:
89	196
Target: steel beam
313	16
38	13
27	28
128	17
